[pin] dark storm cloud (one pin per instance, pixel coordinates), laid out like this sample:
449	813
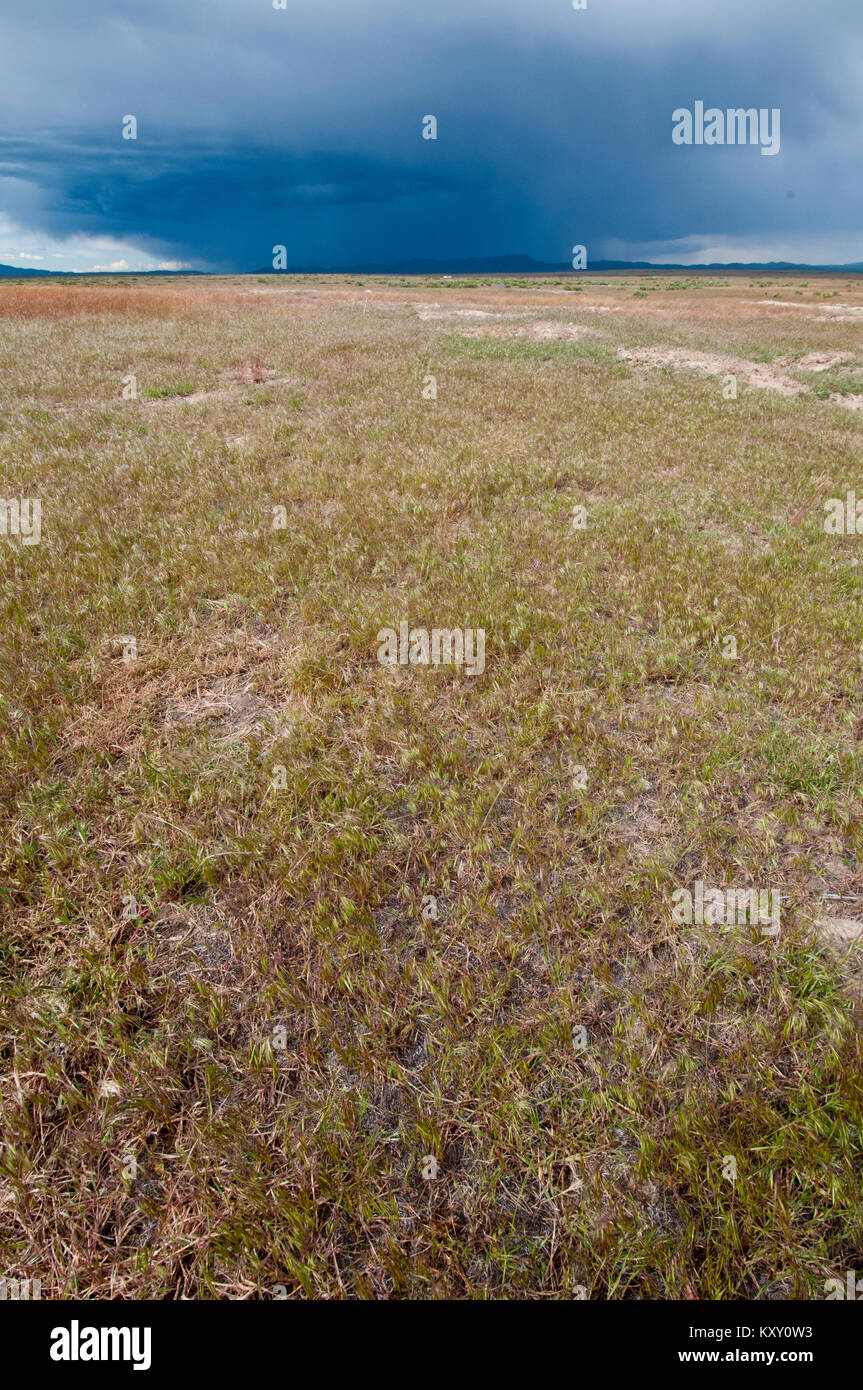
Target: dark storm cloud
207	198
303	127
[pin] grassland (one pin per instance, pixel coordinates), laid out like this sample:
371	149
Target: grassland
281	925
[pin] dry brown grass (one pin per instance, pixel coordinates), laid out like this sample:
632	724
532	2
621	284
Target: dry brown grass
59	301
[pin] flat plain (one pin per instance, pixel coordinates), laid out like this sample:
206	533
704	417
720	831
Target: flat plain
327	978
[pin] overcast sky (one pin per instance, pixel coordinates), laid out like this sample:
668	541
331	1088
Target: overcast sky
303	127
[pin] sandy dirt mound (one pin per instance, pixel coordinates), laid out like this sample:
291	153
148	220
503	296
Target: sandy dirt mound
841	313
847	313
821	361
757	374
782	304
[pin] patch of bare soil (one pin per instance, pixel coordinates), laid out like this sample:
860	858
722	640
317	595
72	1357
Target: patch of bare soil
821	361
845	313
757	374
223	393
748	540
838	888
228	705
189	943
842	938
434	311
640	829
542	330
782	304
847	402
663	695
840	933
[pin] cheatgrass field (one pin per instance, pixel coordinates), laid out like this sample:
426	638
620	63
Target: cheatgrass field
326	978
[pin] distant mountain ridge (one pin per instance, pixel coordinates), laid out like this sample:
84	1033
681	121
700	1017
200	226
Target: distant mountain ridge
515	264
526	265
17	271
